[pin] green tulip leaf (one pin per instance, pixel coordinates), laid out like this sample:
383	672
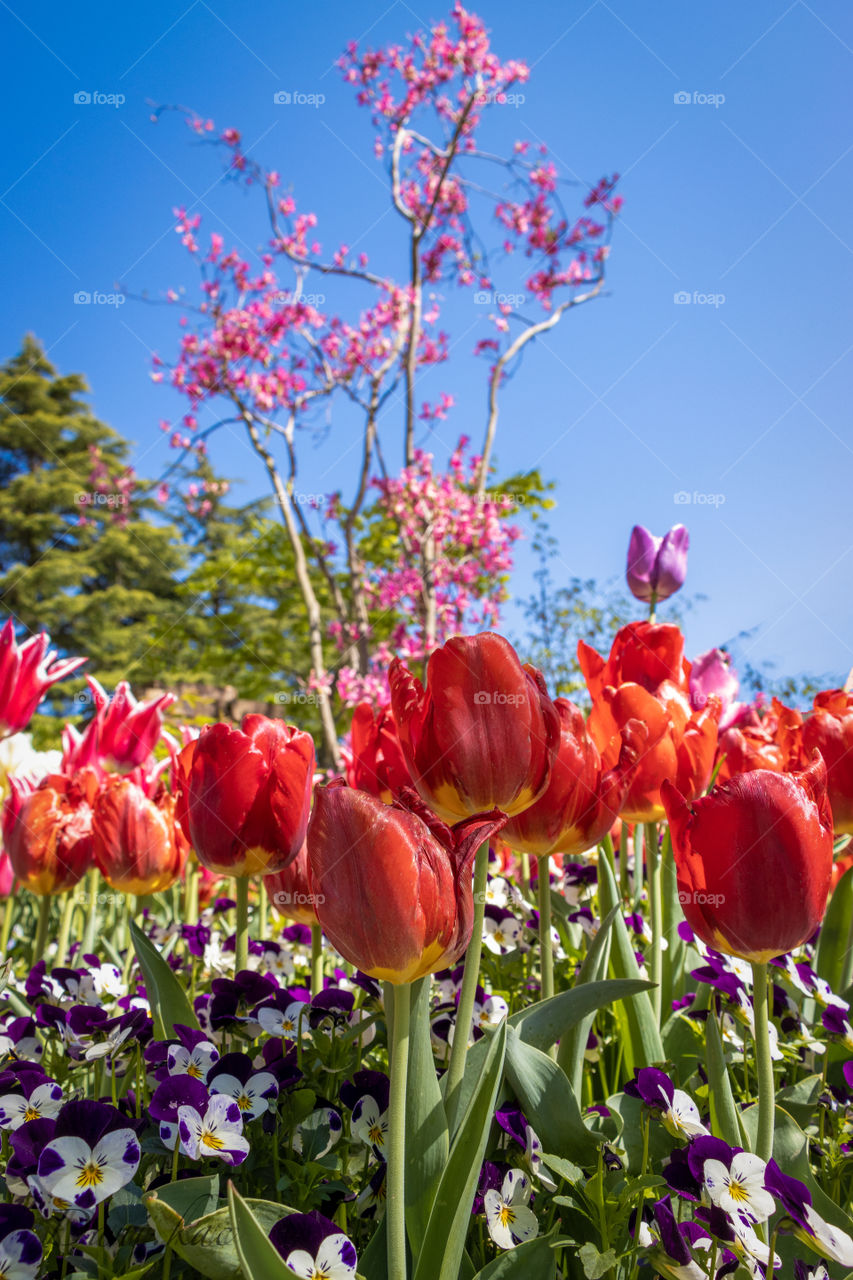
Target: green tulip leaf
207	1243
834	961
570	1054
443	1246
724	1114
258	1256
427	1140
643	1045
543	1024
533	1260
546	1098
168	1000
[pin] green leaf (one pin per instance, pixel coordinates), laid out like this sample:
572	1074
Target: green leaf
674	955
168	1000
595	1263
571	1172
643	1046
190	1198
546	1098
208	1243
258	1256
834	962
570	1054
800	1099
427	1140
724	1115
544	1023
444	1239
533	1260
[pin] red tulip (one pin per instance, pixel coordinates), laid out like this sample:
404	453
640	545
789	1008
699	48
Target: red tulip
754	860
582	800
377	763
646	679
392	887
829	729
26	673
248	795
137	847
47	833
752	747
121	735
482	734
290	892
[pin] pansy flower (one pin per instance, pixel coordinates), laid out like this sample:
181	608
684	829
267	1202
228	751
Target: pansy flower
92	1154
514	1124
18	1039
509	1218
217	1131
40	1098
370	1202
194	1056
489	1011
368	1096
679	1112
312	1247
20	1247
287	1014
235	1076
501	931
170	1095
808	1225
737	1187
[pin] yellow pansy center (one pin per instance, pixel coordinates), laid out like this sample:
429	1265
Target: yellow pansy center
212	1140
90	1175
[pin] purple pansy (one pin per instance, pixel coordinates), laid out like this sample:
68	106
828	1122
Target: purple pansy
287	1014
253	1091
678	1110
367	1095
40	1098
312	1245
216	1131
20	1247
92	1154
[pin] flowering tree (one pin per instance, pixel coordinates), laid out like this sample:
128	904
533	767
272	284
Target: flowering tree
261	355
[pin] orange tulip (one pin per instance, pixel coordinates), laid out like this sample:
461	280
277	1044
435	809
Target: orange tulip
48	832
646	679
138	848
289	891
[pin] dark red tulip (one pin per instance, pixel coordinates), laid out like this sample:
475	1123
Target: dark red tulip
754	860
482	734
582	800
646	678
829	729
393	887
136	845
376	763
752	747
48	832
289	891
247	795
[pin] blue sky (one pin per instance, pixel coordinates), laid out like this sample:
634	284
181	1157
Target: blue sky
741	194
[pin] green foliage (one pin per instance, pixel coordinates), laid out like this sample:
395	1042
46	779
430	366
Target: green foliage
81	557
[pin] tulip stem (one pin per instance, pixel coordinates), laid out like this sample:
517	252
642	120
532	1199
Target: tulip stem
92	917
316	959
468	991
546	947
395	1211
8	917
241	942
69	903
653	862
42	927
763	1064
261	926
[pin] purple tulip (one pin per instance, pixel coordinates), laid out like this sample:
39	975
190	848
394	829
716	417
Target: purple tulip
657	567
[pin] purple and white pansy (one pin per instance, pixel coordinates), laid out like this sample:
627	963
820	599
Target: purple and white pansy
92	1154
217	1130
253	1091
20	1247
314	1248
509	1218
40	1098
